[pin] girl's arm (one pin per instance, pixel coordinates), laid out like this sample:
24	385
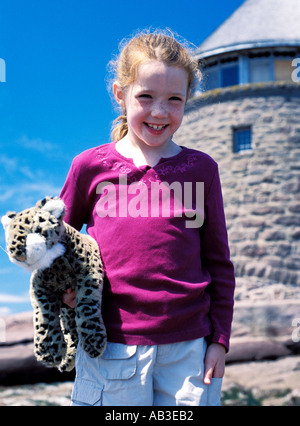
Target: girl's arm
75	216
74	198
216	259
214	364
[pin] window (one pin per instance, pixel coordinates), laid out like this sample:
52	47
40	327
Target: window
230	76
242	139
254	67
211	78
283	70
259	70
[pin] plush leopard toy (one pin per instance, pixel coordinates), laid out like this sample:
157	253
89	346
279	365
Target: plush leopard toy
59	258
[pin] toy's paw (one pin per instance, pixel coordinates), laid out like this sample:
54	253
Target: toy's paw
47	360
45	357
67	364
95	343
93	351
48	355
50	352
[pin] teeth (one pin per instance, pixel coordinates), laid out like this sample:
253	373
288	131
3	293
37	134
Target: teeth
153	126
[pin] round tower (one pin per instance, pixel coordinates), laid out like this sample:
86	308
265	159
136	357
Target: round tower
245	114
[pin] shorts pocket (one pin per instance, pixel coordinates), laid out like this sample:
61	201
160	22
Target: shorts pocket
86	393
214	392
118	361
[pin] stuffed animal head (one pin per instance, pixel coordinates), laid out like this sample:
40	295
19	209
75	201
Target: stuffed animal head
32	236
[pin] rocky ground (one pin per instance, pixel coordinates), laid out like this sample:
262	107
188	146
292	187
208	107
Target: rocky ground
264	383
262	367
41	394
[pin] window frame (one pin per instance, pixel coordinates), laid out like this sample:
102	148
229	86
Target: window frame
240	146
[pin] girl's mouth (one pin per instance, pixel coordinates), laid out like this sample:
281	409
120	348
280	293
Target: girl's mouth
156	127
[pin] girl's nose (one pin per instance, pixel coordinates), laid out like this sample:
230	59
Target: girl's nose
159	110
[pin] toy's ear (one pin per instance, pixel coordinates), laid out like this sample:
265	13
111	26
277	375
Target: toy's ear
56	207
42	202
5	220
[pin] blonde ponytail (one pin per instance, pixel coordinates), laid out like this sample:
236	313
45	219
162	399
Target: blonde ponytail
119	128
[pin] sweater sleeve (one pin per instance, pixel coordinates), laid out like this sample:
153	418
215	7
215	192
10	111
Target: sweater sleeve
216	259
76	206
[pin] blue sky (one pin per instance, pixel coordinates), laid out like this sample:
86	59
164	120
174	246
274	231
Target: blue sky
55	103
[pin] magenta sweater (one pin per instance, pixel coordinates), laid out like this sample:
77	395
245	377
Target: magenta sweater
166	278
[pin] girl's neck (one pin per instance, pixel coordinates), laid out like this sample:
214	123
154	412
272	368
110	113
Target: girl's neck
143	155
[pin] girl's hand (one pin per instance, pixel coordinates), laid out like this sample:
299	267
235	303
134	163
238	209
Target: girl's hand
214	363
69	298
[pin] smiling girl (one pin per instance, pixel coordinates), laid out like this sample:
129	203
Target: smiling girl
154	106
168	290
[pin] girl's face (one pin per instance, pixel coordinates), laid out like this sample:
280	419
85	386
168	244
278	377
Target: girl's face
154	103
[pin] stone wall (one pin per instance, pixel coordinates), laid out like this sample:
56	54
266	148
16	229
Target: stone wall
261	188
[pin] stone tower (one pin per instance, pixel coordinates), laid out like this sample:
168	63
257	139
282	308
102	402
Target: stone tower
246	115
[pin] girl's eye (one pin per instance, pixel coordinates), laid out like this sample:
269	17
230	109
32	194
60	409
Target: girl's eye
175	98
145	96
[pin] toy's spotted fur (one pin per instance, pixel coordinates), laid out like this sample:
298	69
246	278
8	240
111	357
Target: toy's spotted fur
60	258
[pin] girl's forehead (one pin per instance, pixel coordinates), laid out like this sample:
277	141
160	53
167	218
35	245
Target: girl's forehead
157	73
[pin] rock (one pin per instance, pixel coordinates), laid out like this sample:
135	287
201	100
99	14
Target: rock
296	234
246	350
18	328
263	317
18	364
293	399
294	345
295	208
267	383
288	220
273	235
281	374
253	250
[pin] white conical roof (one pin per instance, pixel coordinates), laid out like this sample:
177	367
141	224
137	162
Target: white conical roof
256	23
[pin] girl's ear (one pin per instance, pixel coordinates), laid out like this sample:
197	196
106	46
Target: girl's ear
119	94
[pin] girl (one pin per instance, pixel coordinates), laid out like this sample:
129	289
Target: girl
156	211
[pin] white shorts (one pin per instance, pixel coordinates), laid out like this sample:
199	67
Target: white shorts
158	375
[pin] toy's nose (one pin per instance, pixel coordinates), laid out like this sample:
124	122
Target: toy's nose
20	257
17	252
